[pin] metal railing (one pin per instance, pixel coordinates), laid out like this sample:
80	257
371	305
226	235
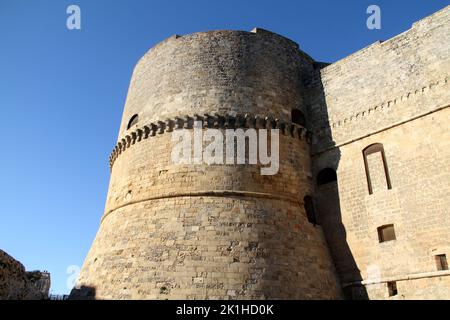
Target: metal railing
58	297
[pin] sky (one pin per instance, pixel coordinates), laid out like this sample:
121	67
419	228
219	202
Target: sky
62	94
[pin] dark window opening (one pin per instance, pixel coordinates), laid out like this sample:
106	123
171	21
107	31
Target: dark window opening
298	117
392	288
441	262
355	292
325	176
348	292
373	148
309	208
386	233
133	121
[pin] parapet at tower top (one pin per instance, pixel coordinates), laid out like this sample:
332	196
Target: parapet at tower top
256	30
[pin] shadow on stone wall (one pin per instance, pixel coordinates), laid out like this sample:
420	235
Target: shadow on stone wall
82	293
327	201
329	217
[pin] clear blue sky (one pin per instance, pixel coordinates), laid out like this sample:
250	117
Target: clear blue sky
62	93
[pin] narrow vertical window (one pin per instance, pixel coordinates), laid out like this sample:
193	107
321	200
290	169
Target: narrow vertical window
441	262
373	148
298	117
133	120
309	208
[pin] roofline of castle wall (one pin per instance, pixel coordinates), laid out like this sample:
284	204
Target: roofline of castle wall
414	26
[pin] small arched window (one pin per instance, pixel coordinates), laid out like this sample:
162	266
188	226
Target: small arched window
309	208
325	176
373	148
133	120
298	117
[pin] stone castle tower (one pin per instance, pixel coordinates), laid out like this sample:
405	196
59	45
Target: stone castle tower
358	208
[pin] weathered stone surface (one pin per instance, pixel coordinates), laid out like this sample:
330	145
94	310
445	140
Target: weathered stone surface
227	232
396	93
200	231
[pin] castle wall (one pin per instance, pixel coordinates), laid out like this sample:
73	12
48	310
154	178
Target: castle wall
384	84
430	287
218	72
395	93
210	231
228	232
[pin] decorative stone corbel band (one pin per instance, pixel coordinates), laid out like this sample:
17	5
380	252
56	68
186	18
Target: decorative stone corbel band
216	121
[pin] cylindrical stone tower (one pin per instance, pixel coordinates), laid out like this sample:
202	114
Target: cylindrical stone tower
222	231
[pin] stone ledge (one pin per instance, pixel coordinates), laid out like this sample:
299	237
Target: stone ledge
383	106
341	144
208	193
406	277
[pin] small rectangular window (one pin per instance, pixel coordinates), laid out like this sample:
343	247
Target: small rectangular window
441	262
392	288
386	233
